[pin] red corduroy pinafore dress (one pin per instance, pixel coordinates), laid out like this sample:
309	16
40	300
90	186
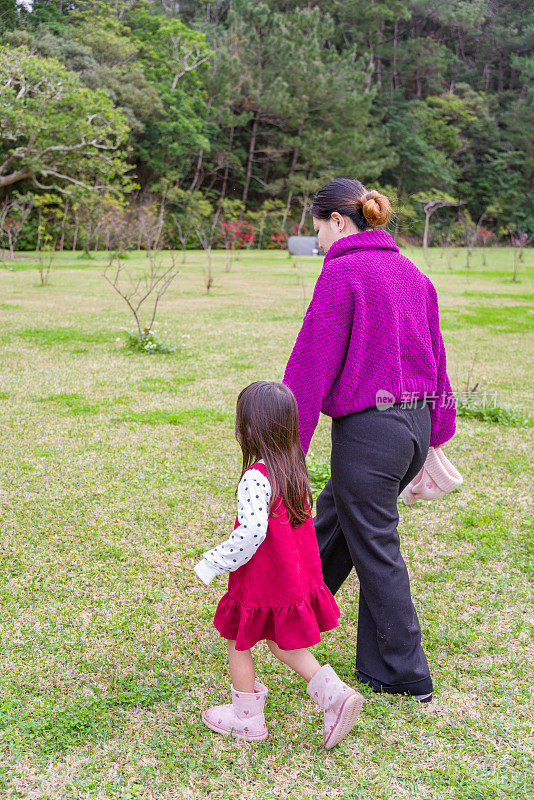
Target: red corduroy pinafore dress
280	593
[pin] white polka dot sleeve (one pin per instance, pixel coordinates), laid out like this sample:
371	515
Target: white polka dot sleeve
253	497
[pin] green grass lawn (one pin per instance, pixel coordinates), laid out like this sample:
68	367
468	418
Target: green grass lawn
118	470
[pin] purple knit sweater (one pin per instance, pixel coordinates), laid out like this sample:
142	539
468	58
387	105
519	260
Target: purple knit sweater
371	328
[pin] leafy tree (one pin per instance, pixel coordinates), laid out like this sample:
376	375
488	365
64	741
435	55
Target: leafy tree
14	213
269	212
171	56
112	67
55	132
465	119
289	123
169	48
423	156
431	202
9	14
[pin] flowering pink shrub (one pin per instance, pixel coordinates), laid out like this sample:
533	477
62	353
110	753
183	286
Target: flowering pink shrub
278	241
485	234
236	234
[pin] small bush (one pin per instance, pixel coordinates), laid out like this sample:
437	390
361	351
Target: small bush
146	342
319	472
488	411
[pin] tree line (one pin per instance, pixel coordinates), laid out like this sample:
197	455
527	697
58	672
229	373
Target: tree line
251	106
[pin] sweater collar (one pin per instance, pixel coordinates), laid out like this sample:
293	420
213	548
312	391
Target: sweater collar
364	240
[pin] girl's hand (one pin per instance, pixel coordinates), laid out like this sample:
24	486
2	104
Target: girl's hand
205	572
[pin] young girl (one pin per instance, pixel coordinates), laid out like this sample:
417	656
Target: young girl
275	589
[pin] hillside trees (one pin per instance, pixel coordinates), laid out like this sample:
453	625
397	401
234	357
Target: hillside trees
297	109
266	100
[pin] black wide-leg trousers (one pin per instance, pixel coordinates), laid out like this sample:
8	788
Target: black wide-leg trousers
375	454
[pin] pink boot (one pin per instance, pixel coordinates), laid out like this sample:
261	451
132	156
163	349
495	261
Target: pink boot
243	717
340	703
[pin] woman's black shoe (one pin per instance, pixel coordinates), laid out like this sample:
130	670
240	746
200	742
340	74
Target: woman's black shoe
418	690
422	698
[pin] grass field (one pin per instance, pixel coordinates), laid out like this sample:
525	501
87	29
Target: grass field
118	470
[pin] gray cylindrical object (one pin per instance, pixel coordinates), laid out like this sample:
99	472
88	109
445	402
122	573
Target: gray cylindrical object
303	245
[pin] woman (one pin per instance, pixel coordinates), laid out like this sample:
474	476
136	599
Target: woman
370	355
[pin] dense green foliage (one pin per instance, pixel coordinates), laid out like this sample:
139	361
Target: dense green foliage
263	101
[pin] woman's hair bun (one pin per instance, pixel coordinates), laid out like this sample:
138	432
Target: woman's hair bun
349	197
376	208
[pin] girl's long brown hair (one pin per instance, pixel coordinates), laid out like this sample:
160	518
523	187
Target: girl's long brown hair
267	427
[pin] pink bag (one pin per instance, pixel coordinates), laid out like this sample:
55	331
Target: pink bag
436	477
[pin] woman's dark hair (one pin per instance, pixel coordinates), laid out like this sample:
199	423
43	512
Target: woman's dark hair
348	197
267	426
